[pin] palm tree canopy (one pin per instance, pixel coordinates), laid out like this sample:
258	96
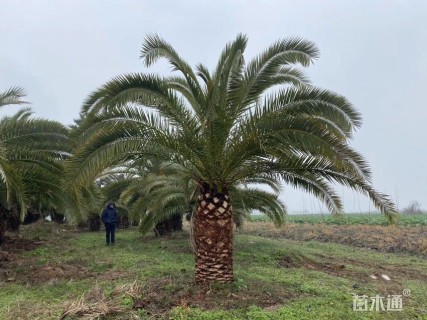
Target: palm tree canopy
31	154
260	121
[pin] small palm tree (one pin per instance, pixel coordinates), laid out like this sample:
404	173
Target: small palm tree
256	122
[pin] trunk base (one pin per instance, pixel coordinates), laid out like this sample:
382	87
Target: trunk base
213	232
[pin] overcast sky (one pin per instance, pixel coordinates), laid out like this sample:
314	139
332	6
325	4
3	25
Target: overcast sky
372	52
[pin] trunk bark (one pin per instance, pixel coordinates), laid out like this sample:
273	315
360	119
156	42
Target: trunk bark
213	233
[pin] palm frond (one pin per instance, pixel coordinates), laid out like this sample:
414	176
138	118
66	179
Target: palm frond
13	95
154	48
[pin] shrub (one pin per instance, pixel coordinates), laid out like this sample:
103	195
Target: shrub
414	207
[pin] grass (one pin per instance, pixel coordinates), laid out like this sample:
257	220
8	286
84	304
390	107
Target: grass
382	238
151	278
372	219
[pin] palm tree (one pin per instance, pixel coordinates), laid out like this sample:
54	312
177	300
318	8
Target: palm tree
255	122
9	177
31	155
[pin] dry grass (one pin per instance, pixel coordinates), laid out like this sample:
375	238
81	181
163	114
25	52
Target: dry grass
132	290
95	304
22	310
381	238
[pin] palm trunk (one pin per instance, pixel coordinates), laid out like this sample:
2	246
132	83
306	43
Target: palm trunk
213	233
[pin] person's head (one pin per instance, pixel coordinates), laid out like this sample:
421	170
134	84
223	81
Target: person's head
110	204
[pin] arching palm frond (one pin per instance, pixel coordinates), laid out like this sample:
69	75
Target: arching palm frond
13	95
249	200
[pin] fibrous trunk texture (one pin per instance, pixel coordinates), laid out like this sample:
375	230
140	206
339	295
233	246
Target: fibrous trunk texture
213	235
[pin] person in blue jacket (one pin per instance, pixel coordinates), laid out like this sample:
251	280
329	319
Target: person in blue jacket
109	217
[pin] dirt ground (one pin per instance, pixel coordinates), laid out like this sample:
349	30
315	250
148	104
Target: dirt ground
380	238
10	259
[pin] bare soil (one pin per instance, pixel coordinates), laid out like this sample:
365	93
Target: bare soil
161	295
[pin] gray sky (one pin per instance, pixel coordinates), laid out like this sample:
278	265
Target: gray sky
372	52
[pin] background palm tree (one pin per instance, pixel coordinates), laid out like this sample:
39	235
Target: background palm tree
31	154
9	177
258	122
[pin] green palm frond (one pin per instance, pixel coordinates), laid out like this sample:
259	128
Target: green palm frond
247	200
113	190
23	114
155	48
166	191
258	74
13	95
14	186
203	73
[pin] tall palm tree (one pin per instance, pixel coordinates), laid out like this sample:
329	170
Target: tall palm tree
256	122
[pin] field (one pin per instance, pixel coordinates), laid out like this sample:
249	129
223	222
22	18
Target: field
372	219
53	271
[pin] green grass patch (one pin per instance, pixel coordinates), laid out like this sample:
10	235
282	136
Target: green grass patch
152	278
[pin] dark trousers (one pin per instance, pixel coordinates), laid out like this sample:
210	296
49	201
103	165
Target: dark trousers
110	229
